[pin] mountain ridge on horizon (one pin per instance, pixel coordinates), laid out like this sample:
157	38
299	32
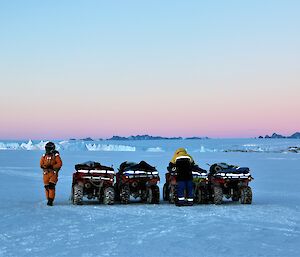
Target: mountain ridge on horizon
295	135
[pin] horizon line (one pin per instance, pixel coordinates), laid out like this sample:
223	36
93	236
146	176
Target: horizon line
163	137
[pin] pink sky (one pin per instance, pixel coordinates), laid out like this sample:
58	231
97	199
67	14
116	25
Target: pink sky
225	72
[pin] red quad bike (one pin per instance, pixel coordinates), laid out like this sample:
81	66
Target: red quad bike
137	180
230	181
200	180
93	180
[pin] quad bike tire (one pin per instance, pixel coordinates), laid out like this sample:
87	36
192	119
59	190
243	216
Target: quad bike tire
153	195
218	195
125	194
246	195
199	196
235	196
77	194
166	193
109	196
144	196
172	194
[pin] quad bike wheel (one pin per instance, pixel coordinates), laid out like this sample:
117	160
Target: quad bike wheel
246	195
235	195
172	194
153	195
77	194
125	194
144	196
166	193
199	196
108	195
218	195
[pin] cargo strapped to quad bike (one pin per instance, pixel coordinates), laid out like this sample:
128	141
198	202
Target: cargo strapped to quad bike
95	168
223	170
138	170
197	175
97	171
141	174
233	175
90	165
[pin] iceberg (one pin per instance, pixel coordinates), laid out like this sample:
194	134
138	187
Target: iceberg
110	148
155	149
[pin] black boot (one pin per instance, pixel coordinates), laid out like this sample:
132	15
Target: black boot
50	202
179	203
187	203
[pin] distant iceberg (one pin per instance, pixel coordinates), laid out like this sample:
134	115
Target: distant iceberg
205	150
110	148
9	146
31	146
155	149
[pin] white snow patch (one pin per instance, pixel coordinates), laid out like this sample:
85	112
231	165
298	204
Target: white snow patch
155	149
204	150
9	146
110	148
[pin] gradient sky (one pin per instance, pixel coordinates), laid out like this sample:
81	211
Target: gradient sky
171	68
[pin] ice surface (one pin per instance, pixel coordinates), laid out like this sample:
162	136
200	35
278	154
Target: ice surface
268	227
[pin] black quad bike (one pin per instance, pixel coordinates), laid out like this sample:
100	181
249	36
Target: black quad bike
137	180
230	181
93	180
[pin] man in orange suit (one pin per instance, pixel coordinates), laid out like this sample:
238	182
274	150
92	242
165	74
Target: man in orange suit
51	164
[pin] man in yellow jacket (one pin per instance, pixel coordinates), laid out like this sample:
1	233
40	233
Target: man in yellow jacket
51	164
183	163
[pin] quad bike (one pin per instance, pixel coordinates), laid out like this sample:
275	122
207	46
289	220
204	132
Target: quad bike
137	180
93	180
230	181
200	181
201	185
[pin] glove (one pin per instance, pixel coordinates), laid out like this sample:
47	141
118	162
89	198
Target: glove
55	171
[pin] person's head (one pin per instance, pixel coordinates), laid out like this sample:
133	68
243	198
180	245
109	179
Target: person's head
180	150
49	147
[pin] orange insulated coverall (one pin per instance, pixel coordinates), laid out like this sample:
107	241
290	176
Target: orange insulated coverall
51	164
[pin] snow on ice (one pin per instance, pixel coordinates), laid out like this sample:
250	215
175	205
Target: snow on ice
268	227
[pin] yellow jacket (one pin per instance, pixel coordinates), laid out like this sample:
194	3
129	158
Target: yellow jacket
180	152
